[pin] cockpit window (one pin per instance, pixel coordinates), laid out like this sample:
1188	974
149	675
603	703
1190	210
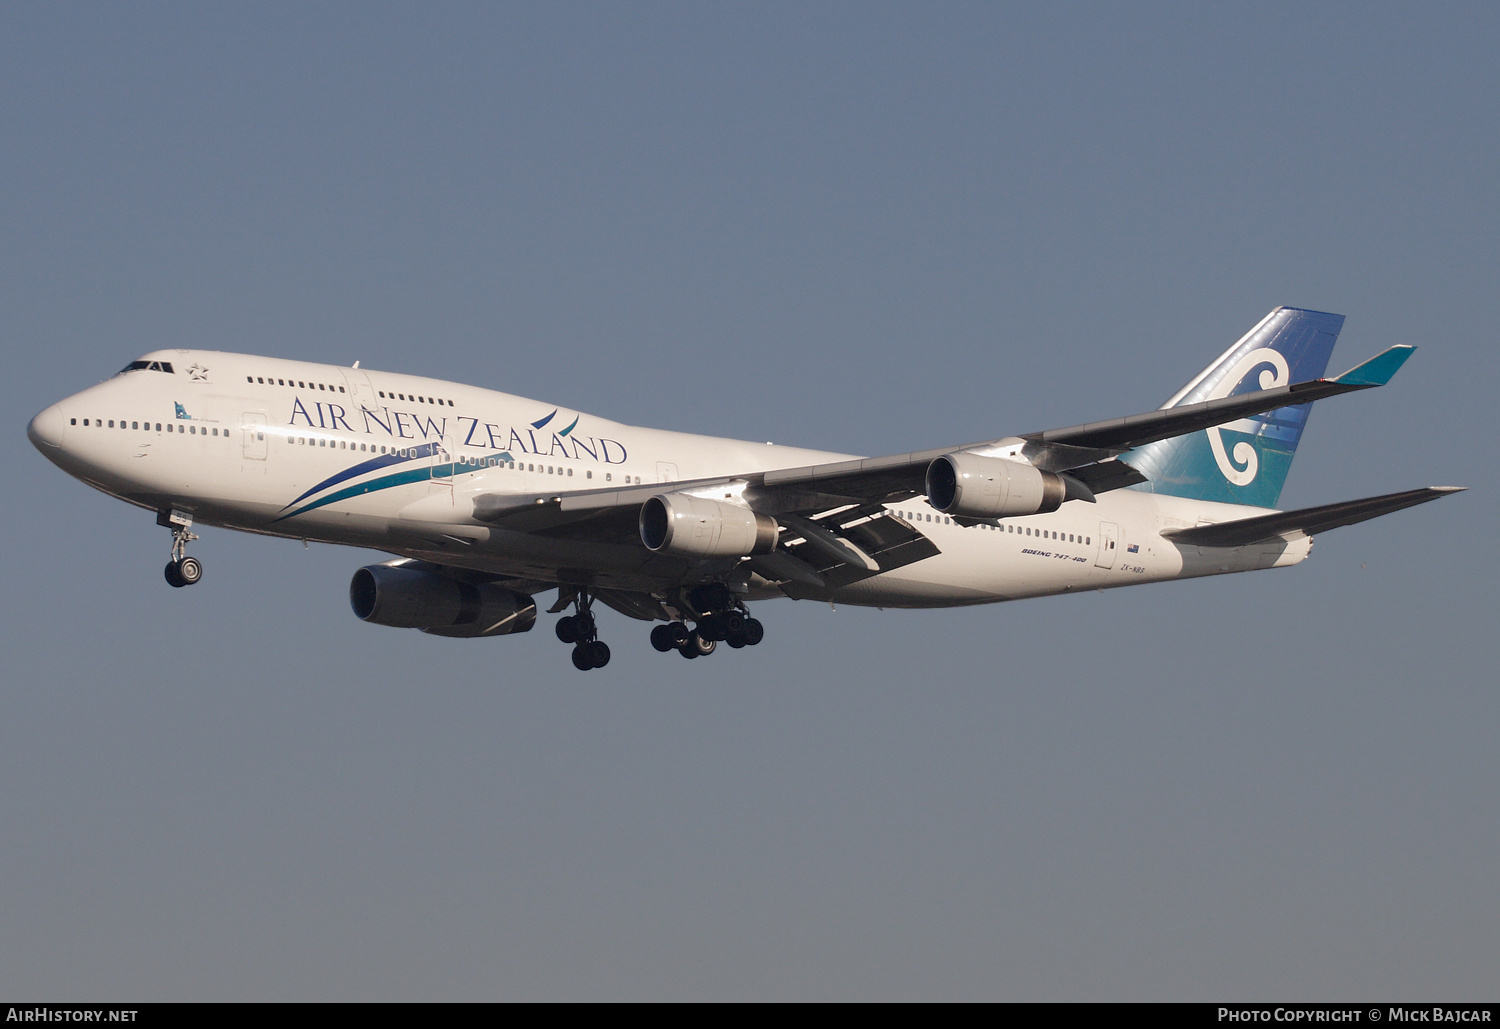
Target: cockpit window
154	366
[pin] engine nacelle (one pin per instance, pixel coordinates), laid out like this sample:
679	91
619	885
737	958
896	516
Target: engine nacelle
411	598
992	487
698	527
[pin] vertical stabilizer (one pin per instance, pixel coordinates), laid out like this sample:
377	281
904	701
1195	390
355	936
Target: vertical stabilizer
1245	461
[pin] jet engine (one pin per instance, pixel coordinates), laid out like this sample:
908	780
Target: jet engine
698	527
989	487
411	598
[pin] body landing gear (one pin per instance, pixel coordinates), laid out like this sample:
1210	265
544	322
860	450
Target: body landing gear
181	570
726	620
581	630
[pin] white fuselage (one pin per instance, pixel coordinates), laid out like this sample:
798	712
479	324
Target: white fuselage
267	445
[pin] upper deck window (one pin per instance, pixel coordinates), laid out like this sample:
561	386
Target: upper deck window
154	366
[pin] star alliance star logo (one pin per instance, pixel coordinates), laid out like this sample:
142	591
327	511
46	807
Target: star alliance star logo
198	373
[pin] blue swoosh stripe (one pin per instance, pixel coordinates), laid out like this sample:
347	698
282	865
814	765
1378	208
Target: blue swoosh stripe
383	461
384	482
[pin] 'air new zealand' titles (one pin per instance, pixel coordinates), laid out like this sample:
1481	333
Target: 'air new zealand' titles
486	502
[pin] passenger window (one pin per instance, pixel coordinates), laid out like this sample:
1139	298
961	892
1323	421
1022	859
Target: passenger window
280	382
250	379
260	380
321	386
111	423
158	426
570	473
608	476
135	425
341	389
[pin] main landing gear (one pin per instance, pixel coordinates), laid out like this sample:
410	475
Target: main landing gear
581	630
181	570
723	619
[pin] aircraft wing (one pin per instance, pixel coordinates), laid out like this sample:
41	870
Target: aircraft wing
1289	525
1085	452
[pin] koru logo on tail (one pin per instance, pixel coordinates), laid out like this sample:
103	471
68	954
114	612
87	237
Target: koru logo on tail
1279	374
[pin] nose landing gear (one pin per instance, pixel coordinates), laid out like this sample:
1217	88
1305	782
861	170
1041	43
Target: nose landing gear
181	570
581	630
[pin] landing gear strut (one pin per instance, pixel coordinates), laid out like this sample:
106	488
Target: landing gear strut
581	630
181	570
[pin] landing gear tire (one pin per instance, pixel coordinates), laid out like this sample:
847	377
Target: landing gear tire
736	641
698	646
661	639
189	570
184	572
754	632
592	654
567	629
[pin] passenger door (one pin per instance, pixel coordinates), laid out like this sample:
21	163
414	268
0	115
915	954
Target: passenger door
1109	542
253	424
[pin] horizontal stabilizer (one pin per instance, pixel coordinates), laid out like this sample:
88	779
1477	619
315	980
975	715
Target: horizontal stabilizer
1287	525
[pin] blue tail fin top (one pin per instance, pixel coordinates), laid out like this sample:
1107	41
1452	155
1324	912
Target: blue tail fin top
1246	461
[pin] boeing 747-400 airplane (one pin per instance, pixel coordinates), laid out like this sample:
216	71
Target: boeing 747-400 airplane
488	499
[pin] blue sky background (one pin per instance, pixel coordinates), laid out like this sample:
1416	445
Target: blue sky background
862	227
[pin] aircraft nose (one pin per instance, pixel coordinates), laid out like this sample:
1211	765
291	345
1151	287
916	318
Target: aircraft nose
46	430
